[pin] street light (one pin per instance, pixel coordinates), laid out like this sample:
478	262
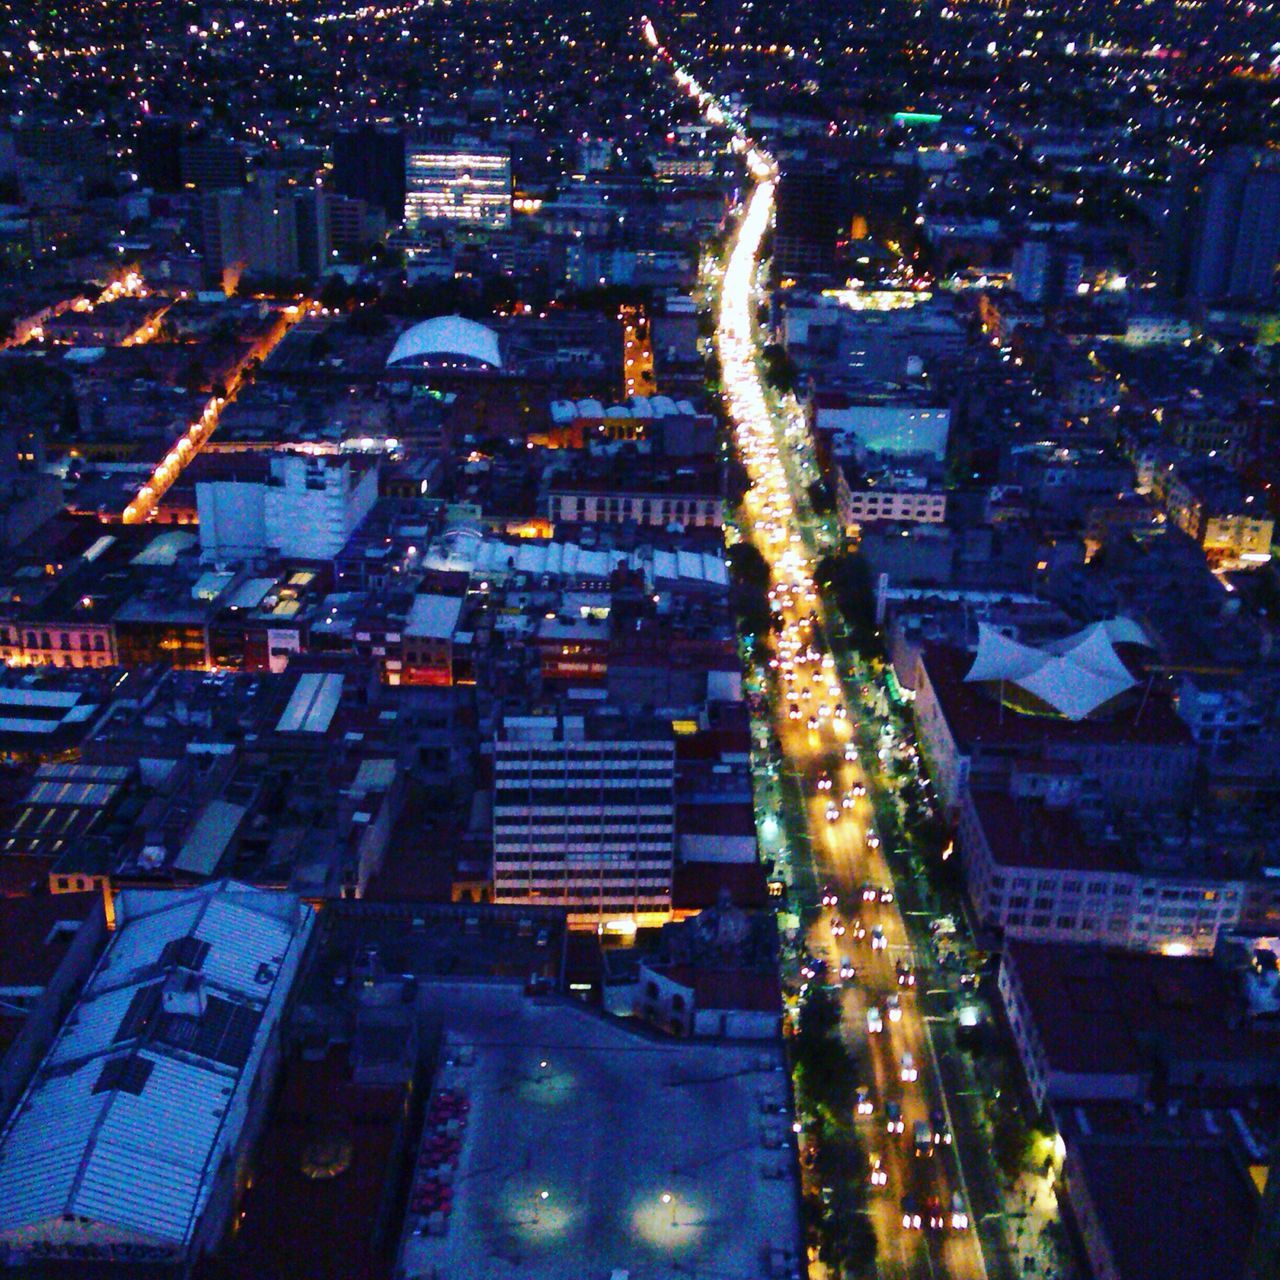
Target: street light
668	1198
542	1196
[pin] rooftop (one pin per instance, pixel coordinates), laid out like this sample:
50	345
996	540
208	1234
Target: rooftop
1180	1211
127	1119
1114	1012
37	931
608	1127
447	336
977	719
1028	834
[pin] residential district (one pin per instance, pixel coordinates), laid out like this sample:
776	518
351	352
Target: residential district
639	642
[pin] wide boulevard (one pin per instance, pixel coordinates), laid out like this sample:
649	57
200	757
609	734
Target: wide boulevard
862	930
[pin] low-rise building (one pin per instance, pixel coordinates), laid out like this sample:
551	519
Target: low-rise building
1094	1025
863	500
427	639
128	1143
1151	1207
712	974
1034	872
974	724
905	425
1207	503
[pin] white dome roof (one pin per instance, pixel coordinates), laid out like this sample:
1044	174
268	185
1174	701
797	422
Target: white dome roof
447	336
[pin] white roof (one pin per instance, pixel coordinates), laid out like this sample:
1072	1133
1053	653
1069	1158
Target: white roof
138	1155
166	547
313	703
636	407
251	593
447	336
1075	676
435	617
209	839
569	562
24	710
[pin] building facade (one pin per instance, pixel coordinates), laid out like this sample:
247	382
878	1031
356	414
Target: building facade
465	185
702	511
307	508
584	817
859	506
1032	875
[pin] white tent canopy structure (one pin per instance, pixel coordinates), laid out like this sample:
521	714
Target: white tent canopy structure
1073	677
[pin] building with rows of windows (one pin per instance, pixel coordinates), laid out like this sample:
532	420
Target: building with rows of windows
584	816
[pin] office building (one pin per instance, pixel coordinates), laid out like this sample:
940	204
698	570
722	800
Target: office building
1046	272
369	164
807	222
156	148
353	223
29	494
1036	871
463	185
211	164
265	230
584	816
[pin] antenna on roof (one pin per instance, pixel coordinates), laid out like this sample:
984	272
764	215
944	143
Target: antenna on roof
1137	715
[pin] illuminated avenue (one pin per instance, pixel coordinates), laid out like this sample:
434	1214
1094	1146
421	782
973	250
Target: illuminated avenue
639	641
846	853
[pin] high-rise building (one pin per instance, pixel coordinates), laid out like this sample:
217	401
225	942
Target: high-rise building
368	164
211	164
29	495
1045	271
1222	233
584	816
465	185
807	221
156	146
353	223
265	230
312	230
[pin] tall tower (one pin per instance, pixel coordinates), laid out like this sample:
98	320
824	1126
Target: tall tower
1222	233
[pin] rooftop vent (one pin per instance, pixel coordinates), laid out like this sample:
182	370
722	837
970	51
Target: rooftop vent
184	994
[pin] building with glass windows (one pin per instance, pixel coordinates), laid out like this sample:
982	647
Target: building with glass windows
584	817
451	184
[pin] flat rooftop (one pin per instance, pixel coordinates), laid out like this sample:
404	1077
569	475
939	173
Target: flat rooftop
611	1124
1179	1211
